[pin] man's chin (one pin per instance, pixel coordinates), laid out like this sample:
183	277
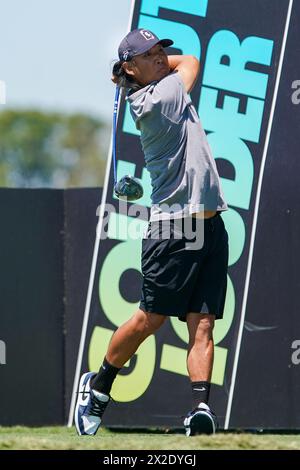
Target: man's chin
163	73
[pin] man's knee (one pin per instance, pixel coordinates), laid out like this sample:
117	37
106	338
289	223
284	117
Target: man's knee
147	323
200	325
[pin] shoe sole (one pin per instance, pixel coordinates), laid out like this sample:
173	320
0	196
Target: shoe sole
201	423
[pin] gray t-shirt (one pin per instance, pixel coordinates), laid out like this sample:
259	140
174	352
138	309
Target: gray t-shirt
183	172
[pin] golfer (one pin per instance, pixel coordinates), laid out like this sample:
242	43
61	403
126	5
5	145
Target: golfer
181	277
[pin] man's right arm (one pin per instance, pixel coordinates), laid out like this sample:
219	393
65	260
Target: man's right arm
188	68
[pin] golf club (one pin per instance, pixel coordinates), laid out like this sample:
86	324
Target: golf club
128	187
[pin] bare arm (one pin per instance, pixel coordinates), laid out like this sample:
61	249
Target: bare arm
188	68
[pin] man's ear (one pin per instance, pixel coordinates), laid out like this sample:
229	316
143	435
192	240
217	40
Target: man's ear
128	68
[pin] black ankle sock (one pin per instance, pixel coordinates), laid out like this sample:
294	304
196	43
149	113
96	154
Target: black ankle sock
105	377
200	392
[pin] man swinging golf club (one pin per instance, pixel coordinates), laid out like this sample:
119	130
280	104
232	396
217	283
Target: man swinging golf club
187	283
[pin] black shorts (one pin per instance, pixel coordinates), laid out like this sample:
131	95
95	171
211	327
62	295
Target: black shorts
177	278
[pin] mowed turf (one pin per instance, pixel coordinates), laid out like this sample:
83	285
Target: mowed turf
64	438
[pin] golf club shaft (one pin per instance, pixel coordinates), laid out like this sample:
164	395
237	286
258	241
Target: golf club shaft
115	115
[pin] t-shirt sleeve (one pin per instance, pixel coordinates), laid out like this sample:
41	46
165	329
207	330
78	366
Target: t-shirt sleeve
169	95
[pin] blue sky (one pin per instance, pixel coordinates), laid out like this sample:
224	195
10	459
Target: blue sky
57	54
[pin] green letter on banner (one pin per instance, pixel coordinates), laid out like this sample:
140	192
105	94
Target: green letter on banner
124	256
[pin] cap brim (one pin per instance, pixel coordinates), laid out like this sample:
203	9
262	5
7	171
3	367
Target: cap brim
166	42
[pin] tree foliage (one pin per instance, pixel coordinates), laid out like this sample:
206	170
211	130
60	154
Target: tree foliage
51	149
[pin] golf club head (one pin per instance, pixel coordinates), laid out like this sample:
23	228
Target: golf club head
129	188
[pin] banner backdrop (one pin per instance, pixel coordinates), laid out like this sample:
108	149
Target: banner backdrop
241	45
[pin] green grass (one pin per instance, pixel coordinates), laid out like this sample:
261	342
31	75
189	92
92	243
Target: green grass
64	438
